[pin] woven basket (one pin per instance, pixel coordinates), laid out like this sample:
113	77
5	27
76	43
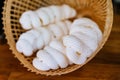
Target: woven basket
100	11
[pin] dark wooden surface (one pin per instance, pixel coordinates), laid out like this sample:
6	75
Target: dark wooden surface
105	66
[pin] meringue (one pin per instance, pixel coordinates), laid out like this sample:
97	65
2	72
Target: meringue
90	24
45	16
58	41
38	64
59	58
40	37
56	30
23	46
47	59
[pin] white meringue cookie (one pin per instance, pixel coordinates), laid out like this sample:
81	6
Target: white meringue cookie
77	45
25	21
57	31
68	24
90	24
34	32
50	13
62	14
23	46
73	13
87	40
68	11
74	43
33	41
44	17
31	36
59	58
61	43
28	37
47	59
19	47
58	46
84	30
34	19
56	11
77	58
46	35
38	64
39	42
63	26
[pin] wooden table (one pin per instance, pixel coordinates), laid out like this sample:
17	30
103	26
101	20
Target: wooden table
105	66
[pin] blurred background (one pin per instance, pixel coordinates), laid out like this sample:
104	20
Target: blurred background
2	36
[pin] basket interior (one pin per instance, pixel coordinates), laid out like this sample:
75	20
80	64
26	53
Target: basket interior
88	8
94	9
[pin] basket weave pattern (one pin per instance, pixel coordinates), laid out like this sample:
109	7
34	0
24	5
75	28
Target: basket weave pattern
98	10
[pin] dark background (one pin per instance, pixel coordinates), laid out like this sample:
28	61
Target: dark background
1	5
2	36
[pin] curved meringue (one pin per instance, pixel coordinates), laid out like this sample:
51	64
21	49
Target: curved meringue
59	58
62	43
46	35
38	64
44	17
34	32
75	57
50	13
47	59
87	40
58	46
34	19
28	36
56	11
84	30
23	46
68	11
90	24
63	26
39	44
74	43
73	13
68	24
25	21
57	31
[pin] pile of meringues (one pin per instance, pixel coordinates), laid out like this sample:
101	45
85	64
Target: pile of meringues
58	41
